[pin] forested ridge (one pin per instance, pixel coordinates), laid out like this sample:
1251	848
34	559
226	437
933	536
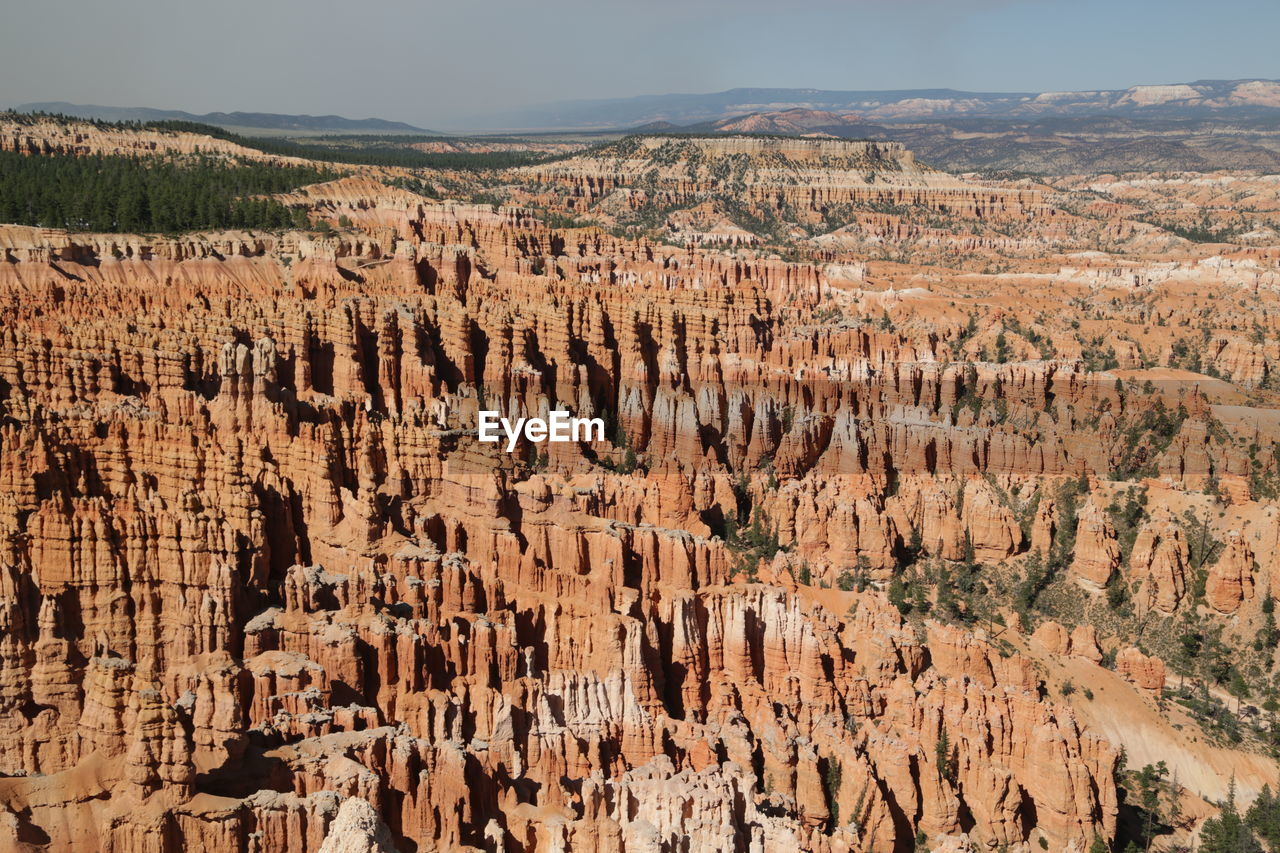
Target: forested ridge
139	194
360	150
368	151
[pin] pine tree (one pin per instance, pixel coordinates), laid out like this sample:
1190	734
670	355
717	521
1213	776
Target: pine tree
943	757
1228	833
898	595
165	194
1264	817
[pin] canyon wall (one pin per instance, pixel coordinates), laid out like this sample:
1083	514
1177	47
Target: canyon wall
257	564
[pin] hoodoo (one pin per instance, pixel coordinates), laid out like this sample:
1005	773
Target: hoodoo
805	470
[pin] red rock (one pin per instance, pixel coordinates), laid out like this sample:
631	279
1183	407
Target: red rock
1230	582
1146	672
1160	563
1097	554
1084	643
258	571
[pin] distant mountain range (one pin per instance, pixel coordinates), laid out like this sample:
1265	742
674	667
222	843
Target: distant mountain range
1068	144
1201	99
272	123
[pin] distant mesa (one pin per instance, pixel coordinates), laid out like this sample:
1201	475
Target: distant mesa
1175	101
792	122
656	127
275	123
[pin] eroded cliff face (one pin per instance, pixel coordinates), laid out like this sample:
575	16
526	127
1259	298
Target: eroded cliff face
706	188
46	135
257	567
262	588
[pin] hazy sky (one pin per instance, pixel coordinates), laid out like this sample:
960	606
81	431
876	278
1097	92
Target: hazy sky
432	63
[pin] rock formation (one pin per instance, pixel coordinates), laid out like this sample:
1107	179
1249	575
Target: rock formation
256	553
1230	580
262	588
1146	671
1097	554
357	829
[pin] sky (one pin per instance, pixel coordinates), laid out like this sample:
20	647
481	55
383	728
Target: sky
434	64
